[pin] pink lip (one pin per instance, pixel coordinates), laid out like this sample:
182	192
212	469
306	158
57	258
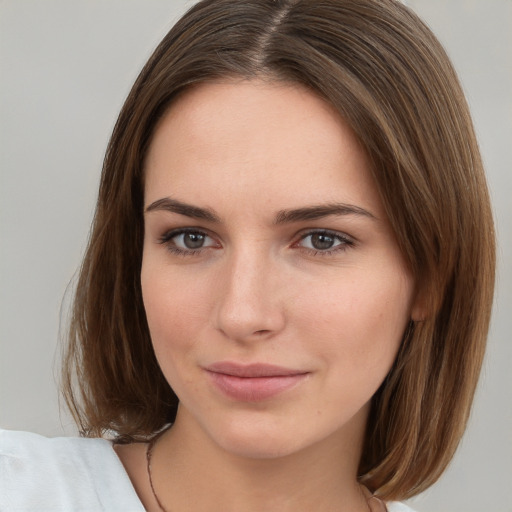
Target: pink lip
254	382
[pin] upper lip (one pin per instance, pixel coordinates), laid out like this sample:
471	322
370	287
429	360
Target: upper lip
252	370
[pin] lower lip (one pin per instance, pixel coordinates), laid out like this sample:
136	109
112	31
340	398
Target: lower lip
254	389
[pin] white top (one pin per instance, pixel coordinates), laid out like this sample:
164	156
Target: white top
69	474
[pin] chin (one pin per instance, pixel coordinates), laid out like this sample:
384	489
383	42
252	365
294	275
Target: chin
254	435
259	446
266	438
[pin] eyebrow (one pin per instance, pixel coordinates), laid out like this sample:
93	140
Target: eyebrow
282	217
174	206
320	211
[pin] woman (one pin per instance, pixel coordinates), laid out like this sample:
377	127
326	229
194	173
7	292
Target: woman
279	268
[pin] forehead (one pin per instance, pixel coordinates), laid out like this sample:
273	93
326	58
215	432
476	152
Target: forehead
273	141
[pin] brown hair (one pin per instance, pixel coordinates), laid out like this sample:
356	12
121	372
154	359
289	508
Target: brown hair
391	80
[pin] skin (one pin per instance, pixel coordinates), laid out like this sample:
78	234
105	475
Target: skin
262	288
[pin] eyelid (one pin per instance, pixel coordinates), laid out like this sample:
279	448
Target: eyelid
327	231
347	241
171	233
166	239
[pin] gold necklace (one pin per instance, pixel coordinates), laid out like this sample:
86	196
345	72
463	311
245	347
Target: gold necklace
374	504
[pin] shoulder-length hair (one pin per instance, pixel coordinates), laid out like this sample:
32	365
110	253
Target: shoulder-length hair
390	79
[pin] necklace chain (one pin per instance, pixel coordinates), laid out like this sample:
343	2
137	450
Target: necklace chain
374	504
149	453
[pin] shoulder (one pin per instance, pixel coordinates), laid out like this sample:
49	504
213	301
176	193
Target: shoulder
65	473
395	506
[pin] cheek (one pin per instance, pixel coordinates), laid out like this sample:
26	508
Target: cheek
176	307
358	322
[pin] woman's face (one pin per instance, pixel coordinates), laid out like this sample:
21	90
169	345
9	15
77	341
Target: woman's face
275	293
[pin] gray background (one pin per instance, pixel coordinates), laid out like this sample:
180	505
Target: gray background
66	67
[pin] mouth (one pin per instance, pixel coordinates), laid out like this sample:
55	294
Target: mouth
254	382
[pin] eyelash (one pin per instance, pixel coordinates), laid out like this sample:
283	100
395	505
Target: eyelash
345	242
166	239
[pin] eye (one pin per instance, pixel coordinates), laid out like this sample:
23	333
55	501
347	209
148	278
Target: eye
325	241
187	241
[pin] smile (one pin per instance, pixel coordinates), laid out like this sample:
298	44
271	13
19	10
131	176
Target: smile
253	383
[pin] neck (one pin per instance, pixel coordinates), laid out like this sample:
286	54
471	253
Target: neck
319	477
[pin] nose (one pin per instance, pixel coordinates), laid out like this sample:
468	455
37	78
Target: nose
250	306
